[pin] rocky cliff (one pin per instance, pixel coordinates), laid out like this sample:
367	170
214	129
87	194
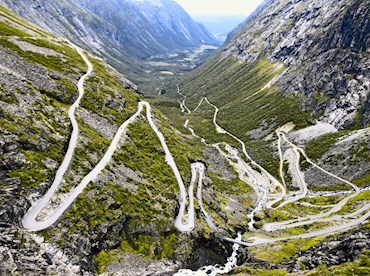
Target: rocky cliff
325	49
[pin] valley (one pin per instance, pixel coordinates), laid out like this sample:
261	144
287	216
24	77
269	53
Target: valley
246	158
164	71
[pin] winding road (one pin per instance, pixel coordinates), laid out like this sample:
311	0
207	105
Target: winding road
30	221
268	189
263	186
184	222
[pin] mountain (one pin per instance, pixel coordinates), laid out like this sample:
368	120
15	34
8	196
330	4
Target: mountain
342	38
124	32
250	17
298	62
150	27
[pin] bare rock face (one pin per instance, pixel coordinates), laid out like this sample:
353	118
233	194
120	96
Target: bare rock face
345	248
137	266
27	254
324	46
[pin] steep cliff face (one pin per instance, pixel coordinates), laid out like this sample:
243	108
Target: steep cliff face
324	46
65	18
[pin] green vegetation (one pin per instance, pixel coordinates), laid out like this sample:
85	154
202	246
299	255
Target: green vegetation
250	270
9	98
170	108
143	154
299	230
316	148
287	176
363	181
7	30
360	267
86	156
275	216
106	96
74	60
56	63
202	123
33	177
20	22
331	188
322	200
239	95
35	171
104	259
354	203
360	152
144	247
266	154
283	251
68	59
151	204
298	209
244	104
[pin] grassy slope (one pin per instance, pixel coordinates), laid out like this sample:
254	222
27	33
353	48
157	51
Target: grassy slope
230	85
357	267
234	87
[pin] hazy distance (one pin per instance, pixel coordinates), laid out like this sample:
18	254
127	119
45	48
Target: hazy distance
219	17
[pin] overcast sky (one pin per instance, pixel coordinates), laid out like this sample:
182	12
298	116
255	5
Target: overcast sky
219	7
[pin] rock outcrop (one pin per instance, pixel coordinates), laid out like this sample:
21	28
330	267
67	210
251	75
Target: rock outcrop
324	46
